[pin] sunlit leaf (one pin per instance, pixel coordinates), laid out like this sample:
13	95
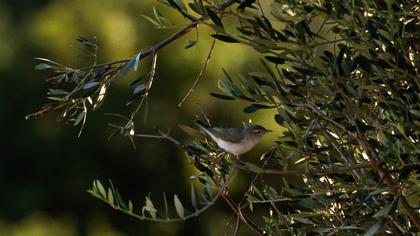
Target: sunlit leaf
101	190
179	207
150	208
43	66
110	197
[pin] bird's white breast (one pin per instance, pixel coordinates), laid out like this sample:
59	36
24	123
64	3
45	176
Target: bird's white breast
237	148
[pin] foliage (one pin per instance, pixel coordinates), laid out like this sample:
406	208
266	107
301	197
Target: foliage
343	79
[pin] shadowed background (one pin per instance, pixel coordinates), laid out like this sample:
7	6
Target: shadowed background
45	169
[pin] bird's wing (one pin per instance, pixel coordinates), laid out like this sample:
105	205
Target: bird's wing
234	135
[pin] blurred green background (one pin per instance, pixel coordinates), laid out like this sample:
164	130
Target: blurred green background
45	169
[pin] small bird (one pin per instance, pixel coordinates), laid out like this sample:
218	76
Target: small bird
236	141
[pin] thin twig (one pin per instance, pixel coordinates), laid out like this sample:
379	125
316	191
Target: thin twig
238	224
161	135
243	218
200	75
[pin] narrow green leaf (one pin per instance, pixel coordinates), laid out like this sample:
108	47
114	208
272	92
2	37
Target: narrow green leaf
198	7
245	4
180	4
254	168
110	197
154	22
372	230
138	79
179	207
120	201
415	112
213	16
177	4
43	66
193	196
255	107
230	88
90	85
130	206
221	96
303	220
79	118
59	99
101	190
190	43
57	92
225	38
275	60
350	227
382	212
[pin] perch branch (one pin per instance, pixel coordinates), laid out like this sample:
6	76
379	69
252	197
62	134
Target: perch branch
330	170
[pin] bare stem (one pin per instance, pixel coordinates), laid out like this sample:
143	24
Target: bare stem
161	135
200	75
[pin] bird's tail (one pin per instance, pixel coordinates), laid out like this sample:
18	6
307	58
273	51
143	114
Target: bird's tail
201	124
205	127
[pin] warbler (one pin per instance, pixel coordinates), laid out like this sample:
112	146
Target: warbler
236	141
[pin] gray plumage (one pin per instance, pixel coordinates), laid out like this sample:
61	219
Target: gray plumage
236	141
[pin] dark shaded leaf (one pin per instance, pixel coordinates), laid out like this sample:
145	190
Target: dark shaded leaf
255	107
245	4
138	79
275	60
225	38
190	44
213	16
198	7
279	119
221	96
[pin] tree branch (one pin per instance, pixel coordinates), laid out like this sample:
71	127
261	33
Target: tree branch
330	170
160	136
243	218
186	29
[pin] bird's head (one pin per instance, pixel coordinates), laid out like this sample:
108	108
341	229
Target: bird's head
257	131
